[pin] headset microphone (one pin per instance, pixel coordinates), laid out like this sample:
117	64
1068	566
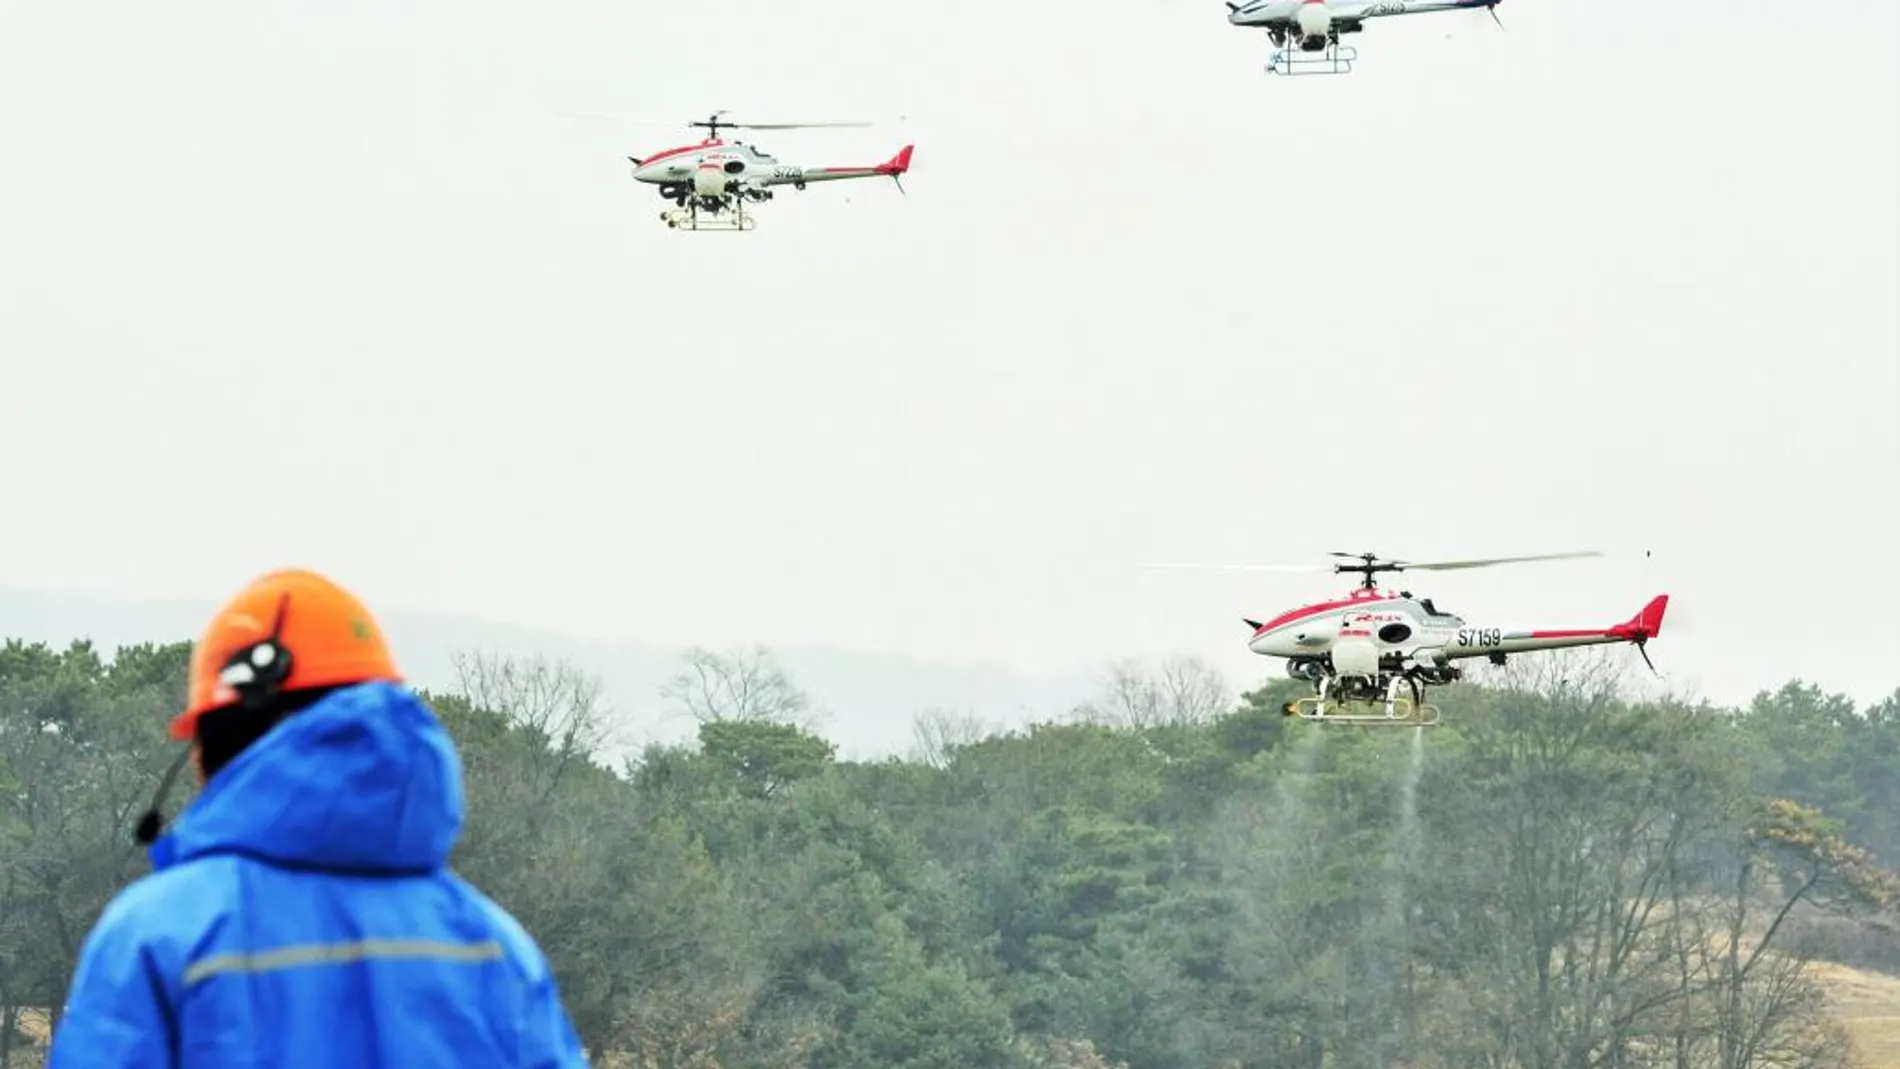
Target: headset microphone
154	821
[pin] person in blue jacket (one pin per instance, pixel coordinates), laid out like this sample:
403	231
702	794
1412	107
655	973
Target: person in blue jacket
302	911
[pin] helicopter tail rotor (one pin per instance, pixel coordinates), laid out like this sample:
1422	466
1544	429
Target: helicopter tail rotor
1645	625
897	166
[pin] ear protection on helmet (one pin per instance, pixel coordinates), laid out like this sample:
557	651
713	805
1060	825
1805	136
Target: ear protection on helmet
256	673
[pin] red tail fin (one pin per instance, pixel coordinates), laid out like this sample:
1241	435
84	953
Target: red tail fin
1646	624
897	164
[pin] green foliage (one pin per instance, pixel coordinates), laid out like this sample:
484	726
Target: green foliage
79	738
763	757
906	1011
1560	876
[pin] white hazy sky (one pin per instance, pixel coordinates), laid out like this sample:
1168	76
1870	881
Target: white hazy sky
339	284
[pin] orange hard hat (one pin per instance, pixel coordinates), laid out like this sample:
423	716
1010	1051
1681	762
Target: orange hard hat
291	619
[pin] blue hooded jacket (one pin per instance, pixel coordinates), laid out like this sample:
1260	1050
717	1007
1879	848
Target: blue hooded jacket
302	914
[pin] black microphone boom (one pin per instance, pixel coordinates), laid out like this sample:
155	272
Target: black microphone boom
153	821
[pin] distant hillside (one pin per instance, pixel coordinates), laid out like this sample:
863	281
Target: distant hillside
870	697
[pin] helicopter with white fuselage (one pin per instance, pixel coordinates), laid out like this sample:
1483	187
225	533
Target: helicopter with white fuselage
1383	648
1305	33
711	182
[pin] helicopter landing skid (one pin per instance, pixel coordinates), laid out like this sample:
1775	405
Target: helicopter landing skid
1288	59
693	219
1397	712
1397	709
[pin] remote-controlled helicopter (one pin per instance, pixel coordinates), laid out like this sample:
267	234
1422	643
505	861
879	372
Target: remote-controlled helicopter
1371	646
1305	33
711	182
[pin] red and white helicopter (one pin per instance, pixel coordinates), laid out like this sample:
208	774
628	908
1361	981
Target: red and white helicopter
1369	645
1305	33
711	182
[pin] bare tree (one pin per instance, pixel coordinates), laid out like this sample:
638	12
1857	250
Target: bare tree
1763	1006
553	697
1582	676
1181	690
1195	691
939	733
744	684
1597	891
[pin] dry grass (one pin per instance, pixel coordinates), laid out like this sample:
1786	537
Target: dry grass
1868	1005
35	1023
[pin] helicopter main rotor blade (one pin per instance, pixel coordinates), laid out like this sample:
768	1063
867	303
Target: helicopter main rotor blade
1242	567
785	125
1361	559
721	123
600	115
1453	565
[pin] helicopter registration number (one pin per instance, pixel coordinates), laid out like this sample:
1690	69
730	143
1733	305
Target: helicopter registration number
788	172
1387	7
1480	637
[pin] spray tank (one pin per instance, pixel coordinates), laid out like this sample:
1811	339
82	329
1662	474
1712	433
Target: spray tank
1316	23
709	180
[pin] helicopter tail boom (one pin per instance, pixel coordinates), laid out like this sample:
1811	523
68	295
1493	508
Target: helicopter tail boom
1492	641
894	168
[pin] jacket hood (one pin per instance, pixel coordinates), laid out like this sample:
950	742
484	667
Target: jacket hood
365	780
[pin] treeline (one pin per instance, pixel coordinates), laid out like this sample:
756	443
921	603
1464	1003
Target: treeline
1560	877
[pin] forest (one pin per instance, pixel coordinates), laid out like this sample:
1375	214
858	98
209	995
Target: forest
1565	874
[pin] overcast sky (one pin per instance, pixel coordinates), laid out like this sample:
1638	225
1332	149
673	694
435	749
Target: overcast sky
342	285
